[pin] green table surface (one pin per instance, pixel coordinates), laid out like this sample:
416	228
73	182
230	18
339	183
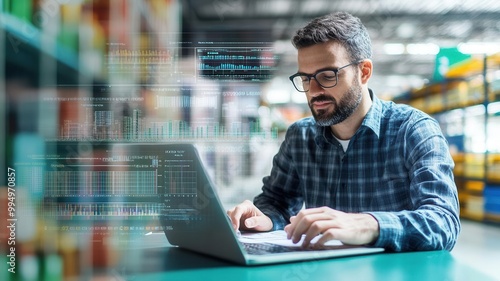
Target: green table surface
171	263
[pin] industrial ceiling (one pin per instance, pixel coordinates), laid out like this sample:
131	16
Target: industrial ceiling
419	24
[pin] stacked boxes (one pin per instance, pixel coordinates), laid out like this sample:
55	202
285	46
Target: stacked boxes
492	202
493	171
474	165
472	200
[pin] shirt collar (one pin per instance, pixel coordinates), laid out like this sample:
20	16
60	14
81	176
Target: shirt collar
374	115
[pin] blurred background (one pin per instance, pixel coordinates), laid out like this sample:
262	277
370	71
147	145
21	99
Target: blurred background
83	81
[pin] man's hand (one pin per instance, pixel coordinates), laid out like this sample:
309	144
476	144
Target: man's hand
246	216
350	228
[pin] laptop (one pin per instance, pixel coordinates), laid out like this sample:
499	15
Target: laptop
193	218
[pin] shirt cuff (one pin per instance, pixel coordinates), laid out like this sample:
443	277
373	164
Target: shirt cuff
390	230
278	221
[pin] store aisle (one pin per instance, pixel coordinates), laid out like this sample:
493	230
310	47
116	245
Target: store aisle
479	247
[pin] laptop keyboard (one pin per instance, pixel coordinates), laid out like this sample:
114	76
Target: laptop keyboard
266	248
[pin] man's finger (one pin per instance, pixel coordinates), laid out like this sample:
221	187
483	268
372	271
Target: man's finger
259	223
234	222
302	225
235	215
315	229
327	236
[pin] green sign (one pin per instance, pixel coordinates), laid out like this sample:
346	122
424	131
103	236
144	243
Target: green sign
445	59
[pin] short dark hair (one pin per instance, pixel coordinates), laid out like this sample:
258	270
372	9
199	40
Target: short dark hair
341	27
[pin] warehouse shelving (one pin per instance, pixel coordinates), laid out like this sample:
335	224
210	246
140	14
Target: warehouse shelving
467	106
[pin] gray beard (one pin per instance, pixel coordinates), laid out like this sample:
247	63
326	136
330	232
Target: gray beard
345	108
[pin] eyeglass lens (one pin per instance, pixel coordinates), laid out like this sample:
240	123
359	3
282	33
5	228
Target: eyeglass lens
326	79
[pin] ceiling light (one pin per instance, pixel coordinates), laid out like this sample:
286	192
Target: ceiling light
394	49
479	48
422	49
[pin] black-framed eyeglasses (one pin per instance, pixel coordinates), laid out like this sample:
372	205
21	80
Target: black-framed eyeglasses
327	78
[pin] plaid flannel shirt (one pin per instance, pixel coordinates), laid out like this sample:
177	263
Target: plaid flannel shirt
397	168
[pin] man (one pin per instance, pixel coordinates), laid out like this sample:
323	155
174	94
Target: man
369	172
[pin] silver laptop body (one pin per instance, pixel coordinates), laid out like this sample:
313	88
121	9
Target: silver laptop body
193	217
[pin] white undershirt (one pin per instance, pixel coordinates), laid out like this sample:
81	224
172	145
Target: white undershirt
344	143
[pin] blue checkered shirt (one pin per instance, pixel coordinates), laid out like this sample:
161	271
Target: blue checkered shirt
397	168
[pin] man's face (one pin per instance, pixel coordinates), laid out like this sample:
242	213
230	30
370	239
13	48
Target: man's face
330	106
